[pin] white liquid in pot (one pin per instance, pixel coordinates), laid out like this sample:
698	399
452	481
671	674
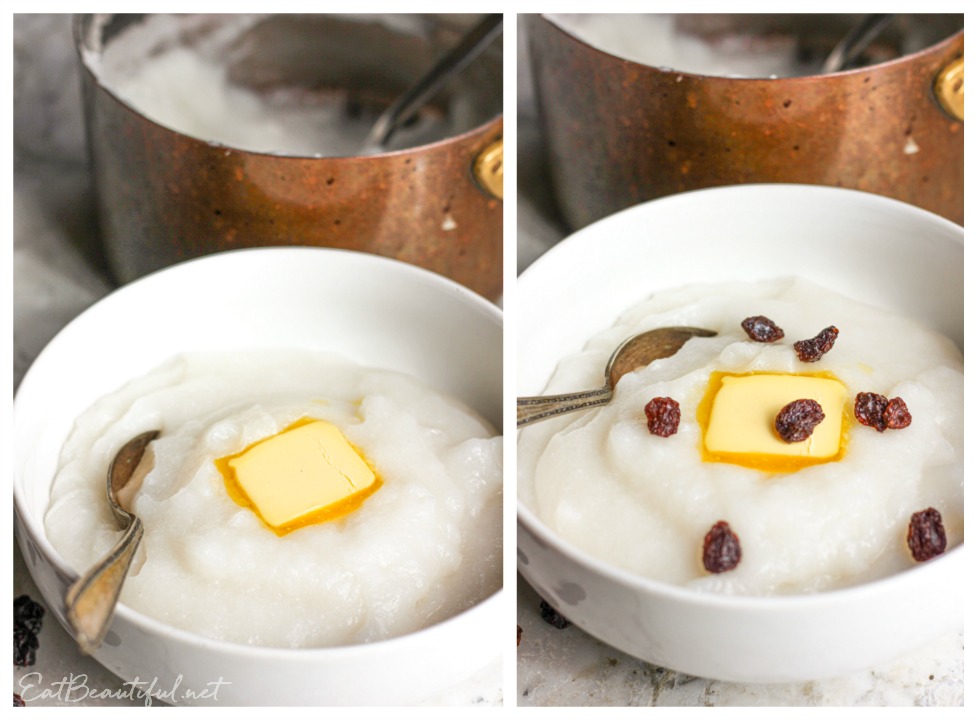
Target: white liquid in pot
655	40
186	87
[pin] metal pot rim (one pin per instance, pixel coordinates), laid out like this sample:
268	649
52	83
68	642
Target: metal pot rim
492	125
908	58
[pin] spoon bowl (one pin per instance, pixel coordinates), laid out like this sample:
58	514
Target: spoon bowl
91	600
636	352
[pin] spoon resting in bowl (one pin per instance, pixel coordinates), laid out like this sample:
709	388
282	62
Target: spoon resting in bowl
91	599
634	353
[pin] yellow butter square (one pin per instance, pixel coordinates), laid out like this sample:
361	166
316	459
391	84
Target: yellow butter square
745	407
308	468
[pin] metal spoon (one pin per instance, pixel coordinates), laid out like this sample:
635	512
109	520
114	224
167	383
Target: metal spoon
92	598
855	42
634	353
448	66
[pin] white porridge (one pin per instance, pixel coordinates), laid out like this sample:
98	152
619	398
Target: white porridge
656	40
645	503
189	87
424	546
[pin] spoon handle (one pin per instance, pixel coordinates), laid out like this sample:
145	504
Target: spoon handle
451	64
92	598
531	409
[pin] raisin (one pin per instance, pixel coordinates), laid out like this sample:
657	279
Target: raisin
925	535
519	635
19	701
896	415
761	329
29	613
25	646
798	419
28	616
869	409
663	416
552	616
721	548
874	410
813	349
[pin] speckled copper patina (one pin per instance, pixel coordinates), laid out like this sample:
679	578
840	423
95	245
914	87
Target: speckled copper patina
165	197
619	132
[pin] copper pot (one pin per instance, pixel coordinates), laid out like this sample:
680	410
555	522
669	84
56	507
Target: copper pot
165	196
620	132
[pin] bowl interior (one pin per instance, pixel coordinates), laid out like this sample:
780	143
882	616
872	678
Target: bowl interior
374	311
883	252
870	248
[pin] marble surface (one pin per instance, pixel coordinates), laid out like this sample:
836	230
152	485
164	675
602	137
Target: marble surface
58	271
570	668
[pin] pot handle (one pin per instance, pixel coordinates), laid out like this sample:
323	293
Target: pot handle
487	168
949	89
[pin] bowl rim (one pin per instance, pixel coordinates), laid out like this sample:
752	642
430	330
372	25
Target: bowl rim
915	576
35	532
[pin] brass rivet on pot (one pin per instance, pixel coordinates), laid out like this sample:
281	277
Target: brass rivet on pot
949	89
488	169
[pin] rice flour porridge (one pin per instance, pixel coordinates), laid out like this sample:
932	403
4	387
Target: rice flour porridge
187	87
423	547
646	503
655	40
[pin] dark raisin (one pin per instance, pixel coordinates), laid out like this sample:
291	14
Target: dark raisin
896	415
762	329
28	617
519	635
925	536
798	420
25	646
869	409
552	616
19	701
721	548
663	416
28	613
813	349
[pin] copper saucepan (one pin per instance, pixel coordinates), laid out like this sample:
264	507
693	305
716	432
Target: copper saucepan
165	196
620	132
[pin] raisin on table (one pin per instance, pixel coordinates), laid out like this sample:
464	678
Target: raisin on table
553	617
28	617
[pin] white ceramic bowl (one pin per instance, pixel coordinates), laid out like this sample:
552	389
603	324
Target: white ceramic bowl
871	248
376	312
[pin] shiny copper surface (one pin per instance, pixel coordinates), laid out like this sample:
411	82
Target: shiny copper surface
619	132
165	197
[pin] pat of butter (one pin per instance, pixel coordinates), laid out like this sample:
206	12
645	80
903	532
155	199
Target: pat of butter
742	418
307	473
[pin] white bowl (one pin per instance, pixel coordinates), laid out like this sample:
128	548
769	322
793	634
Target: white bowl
376	312
881	251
